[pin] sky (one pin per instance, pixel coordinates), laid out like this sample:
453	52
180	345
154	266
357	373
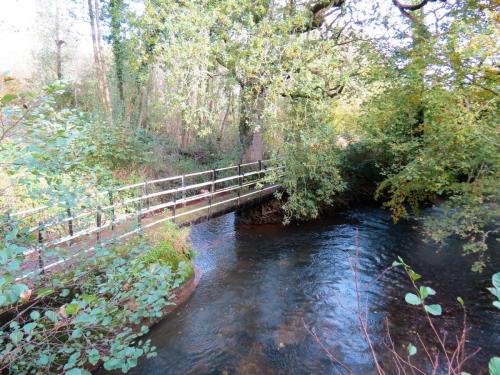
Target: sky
19	26
16	16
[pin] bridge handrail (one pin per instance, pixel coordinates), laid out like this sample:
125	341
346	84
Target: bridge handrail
141	198
139	184
104	222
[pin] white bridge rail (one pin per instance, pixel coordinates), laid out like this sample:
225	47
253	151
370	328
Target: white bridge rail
119	213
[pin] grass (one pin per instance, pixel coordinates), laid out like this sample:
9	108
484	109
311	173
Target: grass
170	246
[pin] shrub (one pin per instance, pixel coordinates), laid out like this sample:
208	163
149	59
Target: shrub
97	311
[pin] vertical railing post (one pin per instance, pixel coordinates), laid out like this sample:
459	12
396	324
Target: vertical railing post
210	199
183	184
70	224
214	178
146	193
138	208
112	209
175	205
98	220
239	183
260	178
212	190
8	222
41	230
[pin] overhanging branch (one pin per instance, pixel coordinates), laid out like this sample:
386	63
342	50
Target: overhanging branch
413	7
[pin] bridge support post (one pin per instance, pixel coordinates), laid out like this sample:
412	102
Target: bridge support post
146	193
183	184
70	224
175	205
214	178
41	230
112	210
138	213
239	183
260	181
98	219
210	199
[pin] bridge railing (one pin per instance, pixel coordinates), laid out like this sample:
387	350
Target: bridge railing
112	215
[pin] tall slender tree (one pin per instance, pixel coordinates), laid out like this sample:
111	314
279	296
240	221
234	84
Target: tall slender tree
100	65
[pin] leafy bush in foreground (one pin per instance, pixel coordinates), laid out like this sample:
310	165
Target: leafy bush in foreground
97	311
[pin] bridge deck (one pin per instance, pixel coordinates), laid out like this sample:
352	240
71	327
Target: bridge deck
62	241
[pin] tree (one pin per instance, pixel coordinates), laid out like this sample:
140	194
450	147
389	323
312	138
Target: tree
99	61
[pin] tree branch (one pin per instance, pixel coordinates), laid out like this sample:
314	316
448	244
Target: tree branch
318	11
410	7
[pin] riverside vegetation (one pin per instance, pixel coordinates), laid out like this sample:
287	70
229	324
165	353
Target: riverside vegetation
394	101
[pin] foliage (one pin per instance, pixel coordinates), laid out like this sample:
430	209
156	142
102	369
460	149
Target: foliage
118	148
312	171
170	246
95	312
455	157
494	366
422	291
44	148
495	289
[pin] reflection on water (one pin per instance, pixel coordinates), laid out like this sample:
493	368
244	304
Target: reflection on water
262	283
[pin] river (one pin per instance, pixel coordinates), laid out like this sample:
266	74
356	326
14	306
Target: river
264	286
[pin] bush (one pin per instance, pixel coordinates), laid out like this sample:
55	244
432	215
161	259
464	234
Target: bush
97	311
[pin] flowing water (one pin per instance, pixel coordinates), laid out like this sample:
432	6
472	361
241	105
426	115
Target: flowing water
264	287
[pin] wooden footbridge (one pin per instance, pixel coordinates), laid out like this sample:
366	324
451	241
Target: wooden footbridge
61	233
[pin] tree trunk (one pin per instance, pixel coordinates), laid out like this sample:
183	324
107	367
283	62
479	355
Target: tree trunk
251	123
142	105
224	119
102	81
117	10
59	42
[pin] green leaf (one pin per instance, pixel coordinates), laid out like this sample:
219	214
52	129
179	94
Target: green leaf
35	315
396	264
43	360
7	98
52	316
412	349
413	299
89	298
72	308
413	275
496	280
434	309
29	327
93	356
430	291
494	291
72	359
494	366
112	364
16	337
76	334
423	292
44	292
460	300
